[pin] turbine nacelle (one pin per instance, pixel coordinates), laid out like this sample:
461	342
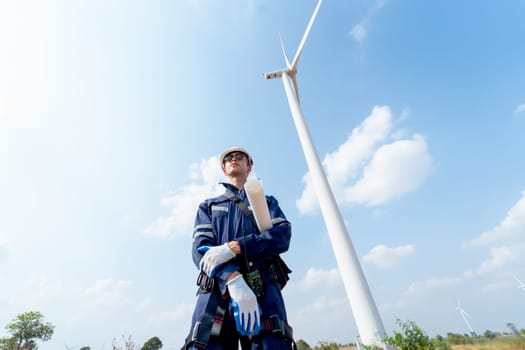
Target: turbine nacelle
291	69
278	73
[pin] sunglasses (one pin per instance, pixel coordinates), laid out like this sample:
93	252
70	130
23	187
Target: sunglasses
237	156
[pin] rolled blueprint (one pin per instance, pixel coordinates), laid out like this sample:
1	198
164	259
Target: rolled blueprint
255	193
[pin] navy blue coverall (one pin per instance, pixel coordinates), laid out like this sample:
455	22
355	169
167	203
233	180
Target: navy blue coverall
220	220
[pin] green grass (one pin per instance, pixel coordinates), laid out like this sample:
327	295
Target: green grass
499	343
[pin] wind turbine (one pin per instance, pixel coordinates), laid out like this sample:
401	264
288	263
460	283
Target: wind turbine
464	314
521	285
368	321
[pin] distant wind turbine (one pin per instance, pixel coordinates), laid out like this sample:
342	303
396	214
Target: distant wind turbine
521	285
366	315
464	314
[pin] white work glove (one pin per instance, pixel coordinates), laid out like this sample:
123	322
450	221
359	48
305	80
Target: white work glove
246	310
214	256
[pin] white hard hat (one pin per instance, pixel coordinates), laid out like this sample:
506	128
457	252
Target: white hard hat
235	149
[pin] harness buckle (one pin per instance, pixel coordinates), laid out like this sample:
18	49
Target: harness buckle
276	325
205	283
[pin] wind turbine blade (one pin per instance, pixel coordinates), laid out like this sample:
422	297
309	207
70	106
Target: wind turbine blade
465	313
517	279
305	35
284	52
459	304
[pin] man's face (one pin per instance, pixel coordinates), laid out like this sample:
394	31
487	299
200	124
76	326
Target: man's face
236	163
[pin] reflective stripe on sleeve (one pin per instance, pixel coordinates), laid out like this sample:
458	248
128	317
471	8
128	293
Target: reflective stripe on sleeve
208	234
277	221
203	226
205	230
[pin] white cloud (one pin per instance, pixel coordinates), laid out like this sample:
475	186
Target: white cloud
110	292
3	252
35	291
421	287
183	203
387	170
325	309
3	105
360	145
508	235
308	201
498	285
396	305
405	114
511	229
359	31
323	303
383	256
328	311
520	108
316	278
499	257
396	169
182	312
144	304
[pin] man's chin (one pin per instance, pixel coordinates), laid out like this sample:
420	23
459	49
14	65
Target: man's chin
235	171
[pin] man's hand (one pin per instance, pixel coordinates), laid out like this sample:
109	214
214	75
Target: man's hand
246	310
214	256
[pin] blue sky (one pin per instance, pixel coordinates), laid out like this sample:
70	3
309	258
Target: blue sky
113	114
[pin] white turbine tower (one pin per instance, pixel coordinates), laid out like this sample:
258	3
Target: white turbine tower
368	321
464	314
521	285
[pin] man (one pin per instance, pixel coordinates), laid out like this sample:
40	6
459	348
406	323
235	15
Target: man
241	274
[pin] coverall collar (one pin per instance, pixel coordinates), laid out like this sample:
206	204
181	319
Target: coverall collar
233	189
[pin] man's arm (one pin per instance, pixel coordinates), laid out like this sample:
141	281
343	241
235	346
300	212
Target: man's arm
271	242
203	234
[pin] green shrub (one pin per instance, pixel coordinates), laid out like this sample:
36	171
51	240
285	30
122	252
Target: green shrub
412	337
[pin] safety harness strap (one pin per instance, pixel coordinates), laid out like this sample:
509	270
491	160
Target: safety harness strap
209	325
237	200
275	325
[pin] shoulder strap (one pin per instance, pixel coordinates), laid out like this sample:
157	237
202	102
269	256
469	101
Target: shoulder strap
237	200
